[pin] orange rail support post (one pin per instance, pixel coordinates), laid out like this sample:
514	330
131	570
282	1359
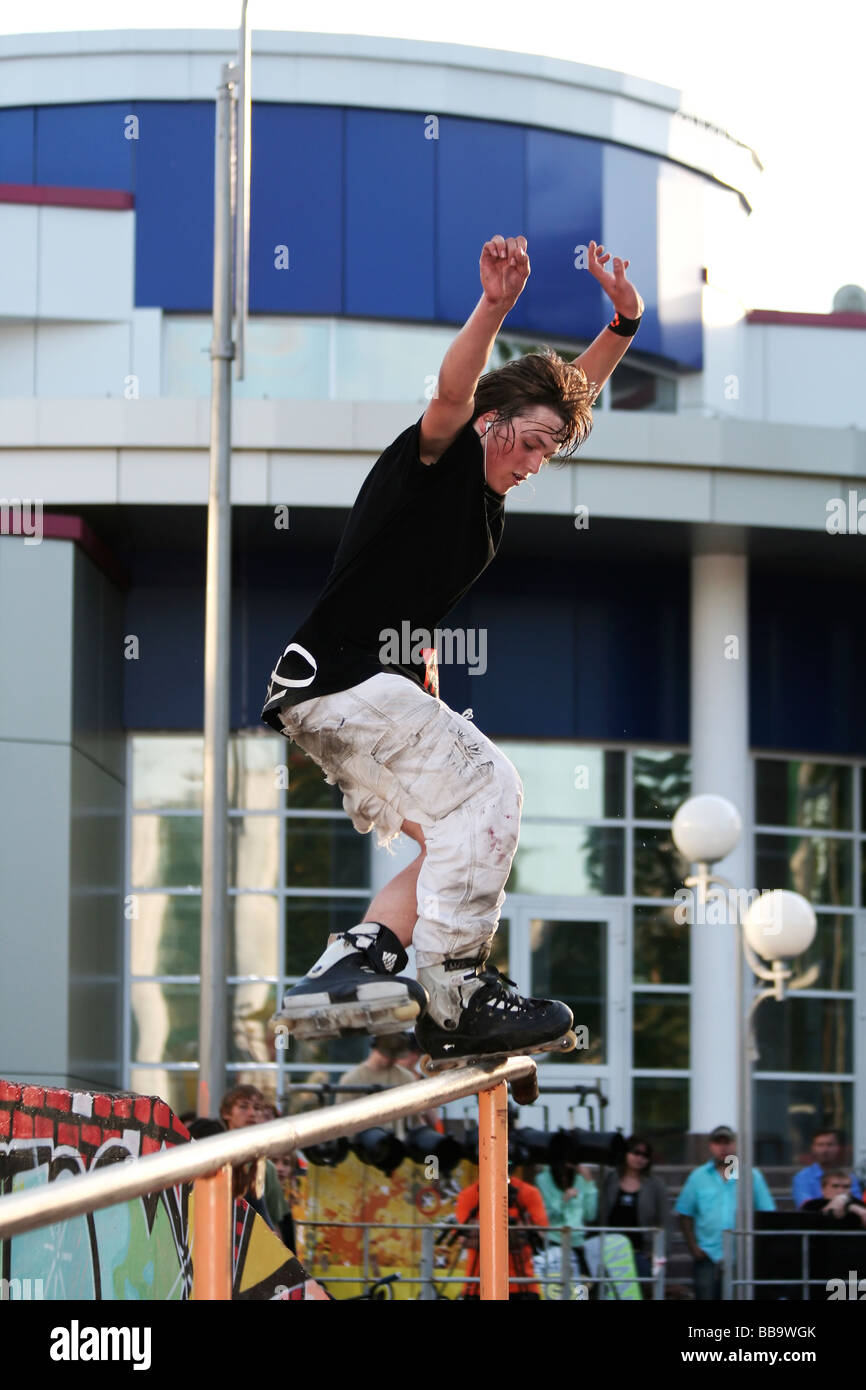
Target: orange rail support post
212	1250
493	1191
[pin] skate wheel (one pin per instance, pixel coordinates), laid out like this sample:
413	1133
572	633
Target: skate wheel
568	1043
405	1012
425	1064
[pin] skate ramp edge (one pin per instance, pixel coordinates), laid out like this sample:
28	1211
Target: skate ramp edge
136	1250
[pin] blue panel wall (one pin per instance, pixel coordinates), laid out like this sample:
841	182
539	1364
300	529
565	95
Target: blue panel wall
564	211
807	664
174	191
571	653
85	146
390	233
17	144
481	191
568	656
379	221
630	201
296	200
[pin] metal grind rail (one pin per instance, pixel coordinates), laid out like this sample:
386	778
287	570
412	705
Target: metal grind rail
208	1164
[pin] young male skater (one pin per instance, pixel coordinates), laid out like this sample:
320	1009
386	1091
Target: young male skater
427	521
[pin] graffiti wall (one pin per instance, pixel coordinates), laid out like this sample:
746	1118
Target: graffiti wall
400	1205
136	1250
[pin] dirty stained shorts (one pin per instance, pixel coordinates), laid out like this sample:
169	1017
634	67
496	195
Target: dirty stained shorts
398	754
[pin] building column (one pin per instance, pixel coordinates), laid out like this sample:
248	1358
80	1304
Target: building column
720	764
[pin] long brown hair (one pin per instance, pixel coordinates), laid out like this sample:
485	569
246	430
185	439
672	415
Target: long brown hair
540	378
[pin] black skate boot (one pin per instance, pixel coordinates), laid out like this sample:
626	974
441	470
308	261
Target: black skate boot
354	987
475	1014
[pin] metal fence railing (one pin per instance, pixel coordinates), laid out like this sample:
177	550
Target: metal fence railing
566	1284
805	1282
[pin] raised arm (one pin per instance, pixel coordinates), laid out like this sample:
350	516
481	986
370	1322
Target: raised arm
609	348
504	271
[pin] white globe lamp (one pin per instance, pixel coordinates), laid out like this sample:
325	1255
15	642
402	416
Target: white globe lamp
706	828
780	925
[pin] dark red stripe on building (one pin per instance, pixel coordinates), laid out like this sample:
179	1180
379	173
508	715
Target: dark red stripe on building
51	195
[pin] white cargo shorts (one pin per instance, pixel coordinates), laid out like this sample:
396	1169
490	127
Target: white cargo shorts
397	754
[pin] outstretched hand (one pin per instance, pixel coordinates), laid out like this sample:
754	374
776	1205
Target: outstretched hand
504	270
619	290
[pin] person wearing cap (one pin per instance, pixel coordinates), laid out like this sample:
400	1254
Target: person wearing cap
707	1206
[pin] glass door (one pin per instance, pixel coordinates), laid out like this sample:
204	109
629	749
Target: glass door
578	953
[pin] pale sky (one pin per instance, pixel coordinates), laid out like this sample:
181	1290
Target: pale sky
784	76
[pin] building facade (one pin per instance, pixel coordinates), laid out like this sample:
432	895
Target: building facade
677	610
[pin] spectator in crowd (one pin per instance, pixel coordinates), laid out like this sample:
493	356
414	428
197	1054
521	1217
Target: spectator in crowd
707	1206
242	1106
243	1174
632	1196
570	1198
837	1203
381	1068
807	1184
525	1208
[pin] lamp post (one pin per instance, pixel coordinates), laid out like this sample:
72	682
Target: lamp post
777	926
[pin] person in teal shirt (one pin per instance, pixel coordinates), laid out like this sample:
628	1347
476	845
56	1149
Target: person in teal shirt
707	1206
570	1199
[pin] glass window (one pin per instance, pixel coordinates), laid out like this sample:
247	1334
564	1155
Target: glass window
659	868
308	790
388	362
832	950
316	1061
569	962
631	389
820	869
263	1077
258	772
661	947
167	772
500	947
177	1088
254	851
814	795
164	933
164	1022
808	1035
789	1113
287	358
662	782
251	1006
166	851
660	1111
323	853
660	1025
254	923
569	780
309	923
576	860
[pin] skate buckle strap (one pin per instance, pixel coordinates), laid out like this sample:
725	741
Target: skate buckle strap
467	963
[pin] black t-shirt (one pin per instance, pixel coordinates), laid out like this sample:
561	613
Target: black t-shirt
417	538
623	1214
848	1222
